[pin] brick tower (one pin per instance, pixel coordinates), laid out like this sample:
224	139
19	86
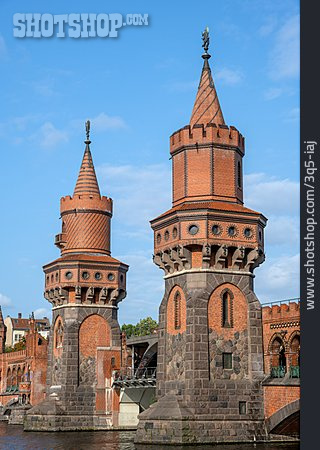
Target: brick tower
84	287
210	358
3	330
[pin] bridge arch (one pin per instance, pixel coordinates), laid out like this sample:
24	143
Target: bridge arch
285	420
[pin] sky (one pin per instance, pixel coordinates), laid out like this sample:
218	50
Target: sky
137	89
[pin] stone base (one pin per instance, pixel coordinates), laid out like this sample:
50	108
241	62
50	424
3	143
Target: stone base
170	421
17	415
51	415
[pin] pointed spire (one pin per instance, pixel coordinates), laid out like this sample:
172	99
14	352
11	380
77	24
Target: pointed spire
87	181
206	107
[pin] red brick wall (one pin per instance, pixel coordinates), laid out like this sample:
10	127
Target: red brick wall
94	332
239	311
276	397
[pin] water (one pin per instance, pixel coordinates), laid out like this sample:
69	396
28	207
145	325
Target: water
12	437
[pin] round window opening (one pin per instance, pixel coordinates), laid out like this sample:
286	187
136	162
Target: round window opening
174	233
57	276
193	229
158	238
85	275
232	231
248	232
68	275
110	276
166	235
98	276
216	229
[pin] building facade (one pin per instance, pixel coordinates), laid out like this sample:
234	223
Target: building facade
210	350
23	372
84	285
17	327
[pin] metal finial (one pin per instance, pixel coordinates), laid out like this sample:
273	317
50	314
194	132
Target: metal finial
88	130
206	41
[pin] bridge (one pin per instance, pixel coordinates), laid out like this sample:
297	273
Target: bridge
281	342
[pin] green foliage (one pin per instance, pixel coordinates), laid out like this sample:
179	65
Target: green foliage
144	327
21	345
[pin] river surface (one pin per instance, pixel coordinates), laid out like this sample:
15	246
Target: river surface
12	437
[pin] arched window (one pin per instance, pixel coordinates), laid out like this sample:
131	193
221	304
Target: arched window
239	174
59	334
19	375
295	350
177	311
227	309
278	358
9	378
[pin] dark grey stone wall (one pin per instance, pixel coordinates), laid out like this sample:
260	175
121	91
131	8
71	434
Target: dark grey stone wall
206	401
72	382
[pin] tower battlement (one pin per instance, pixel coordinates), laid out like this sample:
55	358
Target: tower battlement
283	311
86	201
210	134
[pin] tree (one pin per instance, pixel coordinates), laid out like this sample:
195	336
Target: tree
144	327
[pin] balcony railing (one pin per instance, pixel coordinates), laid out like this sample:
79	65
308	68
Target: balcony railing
278	372
142	377
294	371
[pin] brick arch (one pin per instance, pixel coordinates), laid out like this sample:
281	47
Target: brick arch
94	332
295	333
171	329
239	311
273	338
282	415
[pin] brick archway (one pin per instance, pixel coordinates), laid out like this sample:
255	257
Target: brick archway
278	421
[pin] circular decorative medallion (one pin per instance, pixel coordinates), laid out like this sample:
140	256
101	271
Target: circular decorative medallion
158	238
68	275
232	231
111	276
193	229
248	233
166	235
174	233
85	275
216	229
98	275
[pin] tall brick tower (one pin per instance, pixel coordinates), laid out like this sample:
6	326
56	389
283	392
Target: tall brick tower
84	287
210	358
3	330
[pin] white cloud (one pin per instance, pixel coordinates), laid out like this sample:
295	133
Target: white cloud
283	230
272	93
272	195
5	301
293	115
42	312
145	286
284	58
278	278
268	26
104	122
48	136
140	193
44	88
229	77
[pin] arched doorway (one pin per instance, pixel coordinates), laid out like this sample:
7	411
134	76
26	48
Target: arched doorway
278	358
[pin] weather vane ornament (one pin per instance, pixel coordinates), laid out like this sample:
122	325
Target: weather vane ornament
88	130
206	40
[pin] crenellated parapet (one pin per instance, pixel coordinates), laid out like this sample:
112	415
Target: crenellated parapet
204	135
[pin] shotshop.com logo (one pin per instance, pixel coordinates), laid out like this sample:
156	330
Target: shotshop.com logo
74	25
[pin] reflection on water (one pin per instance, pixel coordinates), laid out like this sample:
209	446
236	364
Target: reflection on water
12	437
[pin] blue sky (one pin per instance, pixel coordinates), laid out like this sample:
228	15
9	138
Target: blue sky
137	89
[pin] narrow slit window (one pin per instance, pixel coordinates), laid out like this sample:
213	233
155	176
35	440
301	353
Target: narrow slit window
226	310
177	311
239	174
